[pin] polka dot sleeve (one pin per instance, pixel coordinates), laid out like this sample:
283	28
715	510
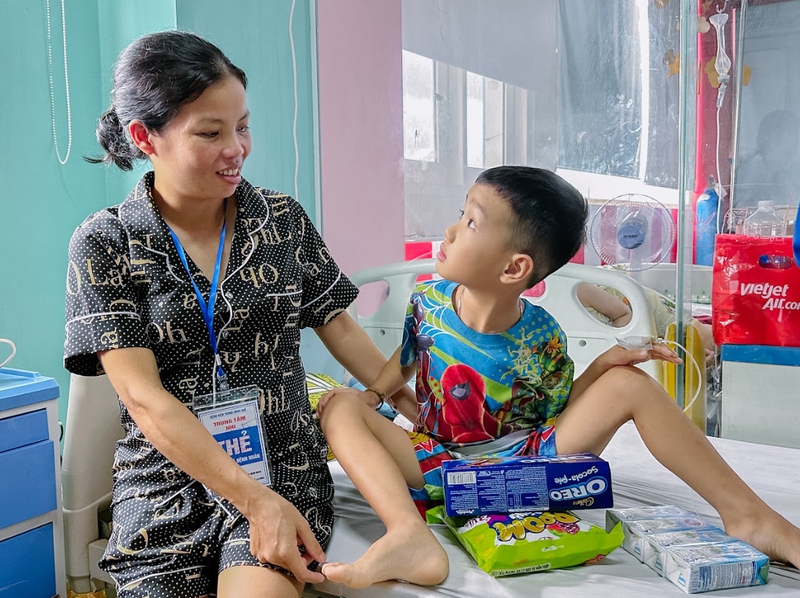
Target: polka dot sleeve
102	310
326	291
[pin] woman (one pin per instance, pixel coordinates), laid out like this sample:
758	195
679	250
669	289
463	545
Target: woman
190	296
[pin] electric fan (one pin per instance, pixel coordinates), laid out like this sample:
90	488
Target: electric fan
632	232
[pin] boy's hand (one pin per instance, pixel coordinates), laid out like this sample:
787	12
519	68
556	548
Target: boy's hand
617	355
369	398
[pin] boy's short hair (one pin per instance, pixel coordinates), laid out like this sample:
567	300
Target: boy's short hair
549	215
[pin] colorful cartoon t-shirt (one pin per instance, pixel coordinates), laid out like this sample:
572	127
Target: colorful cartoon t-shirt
473	387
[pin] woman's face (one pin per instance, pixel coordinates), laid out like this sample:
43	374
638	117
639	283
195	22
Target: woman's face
200	153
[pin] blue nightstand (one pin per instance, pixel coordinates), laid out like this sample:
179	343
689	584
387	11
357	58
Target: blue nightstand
31	529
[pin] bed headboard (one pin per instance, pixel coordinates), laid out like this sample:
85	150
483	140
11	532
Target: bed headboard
587	337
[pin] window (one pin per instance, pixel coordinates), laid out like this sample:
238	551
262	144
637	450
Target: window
588	89
485	121
618	97
419	108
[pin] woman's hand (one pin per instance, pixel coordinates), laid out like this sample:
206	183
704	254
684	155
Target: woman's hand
277	530
369	398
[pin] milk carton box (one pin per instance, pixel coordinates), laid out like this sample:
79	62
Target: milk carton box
656	545
704	567
491	485
656	512
639	523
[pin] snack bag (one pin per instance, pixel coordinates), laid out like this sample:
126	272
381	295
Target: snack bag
528	542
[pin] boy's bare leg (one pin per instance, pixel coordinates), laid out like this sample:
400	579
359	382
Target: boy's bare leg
623	393
379	458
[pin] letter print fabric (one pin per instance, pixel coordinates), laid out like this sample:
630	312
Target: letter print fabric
126	287
473	387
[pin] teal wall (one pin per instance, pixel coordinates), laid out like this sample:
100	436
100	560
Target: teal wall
42	201
255	36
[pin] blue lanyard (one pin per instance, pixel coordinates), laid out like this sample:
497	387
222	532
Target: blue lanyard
207	309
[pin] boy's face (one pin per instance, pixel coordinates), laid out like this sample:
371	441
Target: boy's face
476	249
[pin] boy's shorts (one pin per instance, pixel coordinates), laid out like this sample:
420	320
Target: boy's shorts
431	453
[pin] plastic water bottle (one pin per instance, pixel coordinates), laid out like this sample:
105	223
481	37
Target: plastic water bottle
764	222
706	211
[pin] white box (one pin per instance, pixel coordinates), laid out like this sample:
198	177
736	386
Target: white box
760	402
638	523
656	545
705	567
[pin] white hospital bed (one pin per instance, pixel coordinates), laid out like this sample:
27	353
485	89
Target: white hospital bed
92	427
637	479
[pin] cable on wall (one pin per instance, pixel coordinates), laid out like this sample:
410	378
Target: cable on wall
294	89
52	86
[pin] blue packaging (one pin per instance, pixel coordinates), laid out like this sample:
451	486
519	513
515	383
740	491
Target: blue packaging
706	228
491	485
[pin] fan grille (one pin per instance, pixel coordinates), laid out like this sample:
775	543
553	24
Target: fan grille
632	232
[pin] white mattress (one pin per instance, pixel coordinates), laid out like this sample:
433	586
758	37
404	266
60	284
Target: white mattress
638	479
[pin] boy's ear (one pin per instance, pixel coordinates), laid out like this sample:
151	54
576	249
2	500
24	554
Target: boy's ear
519	269
140	136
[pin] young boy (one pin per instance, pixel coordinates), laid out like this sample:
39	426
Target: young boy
493	377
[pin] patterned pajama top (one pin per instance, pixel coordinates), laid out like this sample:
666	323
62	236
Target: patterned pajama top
127	287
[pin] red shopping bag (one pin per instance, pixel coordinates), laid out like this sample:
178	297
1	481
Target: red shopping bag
755	297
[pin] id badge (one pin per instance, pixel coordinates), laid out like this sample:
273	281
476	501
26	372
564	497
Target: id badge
233	419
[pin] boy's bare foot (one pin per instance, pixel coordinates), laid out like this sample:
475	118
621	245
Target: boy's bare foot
771	534
411	553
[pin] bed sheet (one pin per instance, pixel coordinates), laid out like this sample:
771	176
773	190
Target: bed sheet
638	479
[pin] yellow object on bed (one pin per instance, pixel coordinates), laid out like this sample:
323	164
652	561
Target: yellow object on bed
694	389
